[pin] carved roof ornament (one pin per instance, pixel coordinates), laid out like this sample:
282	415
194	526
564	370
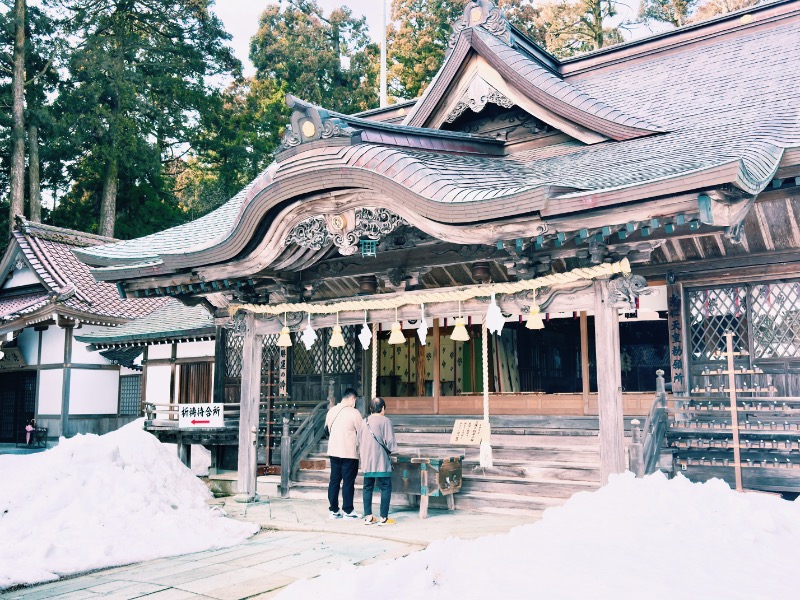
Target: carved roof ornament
623	291
344	230
481	13
310	123
479	94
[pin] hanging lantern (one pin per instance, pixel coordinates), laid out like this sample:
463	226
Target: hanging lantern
365	335
309	335
337	339
494	317
460	333
284	339
396	337
422	328
534	319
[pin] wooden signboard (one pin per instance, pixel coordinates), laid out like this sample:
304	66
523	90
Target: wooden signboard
466	432
191	416
12	359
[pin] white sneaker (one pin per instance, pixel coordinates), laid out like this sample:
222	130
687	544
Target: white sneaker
336	515
351	515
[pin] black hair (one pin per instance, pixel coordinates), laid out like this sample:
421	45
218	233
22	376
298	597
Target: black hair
350	392
376	405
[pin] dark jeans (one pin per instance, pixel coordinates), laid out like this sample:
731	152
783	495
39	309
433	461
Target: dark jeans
386	494
343	471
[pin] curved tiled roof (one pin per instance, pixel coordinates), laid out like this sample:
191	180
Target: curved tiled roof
729	108
172	320
68	283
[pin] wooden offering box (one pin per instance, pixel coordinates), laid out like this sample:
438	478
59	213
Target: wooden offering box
427	476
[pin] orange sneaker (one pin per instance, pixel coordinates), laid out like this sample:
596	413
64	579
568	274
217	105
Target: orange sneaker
370	520
386	521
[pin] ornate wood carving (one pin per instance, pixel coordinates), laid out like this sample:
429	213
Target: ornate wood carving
344	230
479	94
310	123
481	13
623	291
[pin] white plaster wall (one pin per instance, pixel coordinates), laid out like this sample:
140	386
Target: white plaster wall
93	392
53	345
158	378
195	349
159	351
28	342
655	301
51	382
22	277
80	352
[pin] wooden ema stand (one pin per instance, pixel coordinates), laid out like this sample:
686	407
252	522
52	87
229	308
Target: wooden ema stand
737	453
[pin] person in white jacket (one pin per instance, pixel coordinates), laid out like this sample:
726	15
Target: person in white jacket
344	423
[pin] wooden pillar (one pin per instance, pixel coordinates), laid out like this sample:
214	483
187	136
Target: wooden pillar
584	324
65	385
437	377
609	383
248	409
219	366
184	452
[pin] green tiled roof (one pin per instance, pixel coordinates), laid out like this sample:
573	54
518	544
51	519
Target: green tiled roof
172	321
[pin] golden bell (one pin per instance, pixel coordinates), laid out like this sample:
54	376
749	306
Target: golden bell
460	333
397	336
534	319
337	339
284	339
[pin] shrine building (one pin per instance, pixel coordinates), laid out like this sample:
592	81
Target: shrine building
621	211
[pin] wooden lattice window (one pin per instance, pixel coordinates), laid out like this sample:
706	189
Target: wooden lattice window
776	320
130	395
713	312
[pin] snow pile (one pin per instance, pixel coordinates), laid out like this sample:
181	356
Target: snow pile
99	501
201	458
649	538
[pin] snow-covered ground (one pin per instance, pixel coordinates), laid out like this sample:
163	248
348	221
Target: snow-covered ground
650	538
99	501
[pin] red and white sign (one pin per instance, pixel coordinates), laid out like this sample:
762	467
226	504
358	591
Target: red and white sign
192	416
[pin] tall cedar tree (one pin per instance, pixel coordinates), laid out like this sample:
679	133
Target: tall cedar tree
138	81
327	61
42	78
238	137
421	30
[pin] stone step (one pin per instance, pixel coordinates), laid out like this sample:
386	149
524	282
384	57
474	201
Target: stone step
480	501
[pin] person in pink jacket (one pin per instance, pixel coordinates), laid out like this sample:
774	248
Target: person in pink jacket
343	422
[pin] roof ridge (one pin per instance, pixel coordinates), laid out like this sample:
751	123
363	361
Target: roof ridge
61	235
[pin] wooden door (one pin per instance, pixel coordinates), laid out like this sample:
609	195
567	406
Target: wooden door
17	403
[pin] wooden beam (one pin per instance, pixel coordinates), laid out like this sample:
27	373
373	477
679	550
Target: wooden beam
248	414
584	324
609	383
218	394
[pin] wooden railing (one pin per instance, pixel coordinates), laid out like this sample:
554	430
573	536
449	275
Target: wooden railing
296	446
645	448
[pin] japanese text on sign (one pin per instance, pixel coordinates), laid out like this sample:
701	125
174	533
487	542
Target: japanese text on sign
200	415
467	432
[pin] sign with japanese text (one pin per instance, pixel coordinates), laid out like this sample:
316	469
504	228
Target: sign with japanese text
191	416
675	322
12	358
466	431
